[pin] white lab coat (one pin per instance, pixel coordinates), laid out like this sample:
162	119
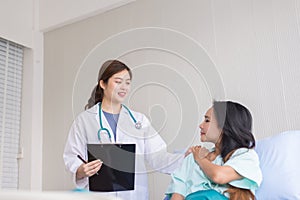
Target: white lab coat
149	146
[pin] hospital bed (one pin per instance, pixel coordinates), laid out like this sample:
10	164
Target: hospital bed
50	195
280	162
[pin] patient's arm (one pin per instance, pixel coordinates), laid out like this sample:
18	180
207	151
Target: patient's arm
176	196
218	174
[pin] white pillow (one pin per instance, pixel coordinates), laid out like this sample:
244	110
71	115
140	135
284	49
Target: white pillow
280	163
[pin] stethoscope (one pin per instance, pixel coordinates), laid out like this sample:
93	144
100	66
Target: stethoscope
137	124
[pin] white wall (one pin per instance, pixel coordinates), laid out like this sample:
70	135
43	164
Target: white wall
19	23
55	14
254	45
16	19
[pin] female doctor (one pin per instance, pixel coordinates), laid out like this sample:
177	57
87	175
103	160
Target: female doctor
107	120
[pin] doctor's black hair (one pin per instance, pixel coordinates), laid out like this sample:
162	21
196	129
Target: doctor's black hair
235	120
107	70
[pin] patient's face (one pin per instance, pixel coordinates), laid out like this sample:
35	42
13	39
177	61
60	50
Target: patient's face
209	130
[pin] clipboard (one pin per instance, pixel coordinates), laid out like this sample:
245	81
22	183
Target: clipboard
117	172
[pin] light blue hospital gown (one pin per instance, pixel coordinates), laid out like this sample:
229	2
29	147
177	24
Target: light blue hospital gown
189	178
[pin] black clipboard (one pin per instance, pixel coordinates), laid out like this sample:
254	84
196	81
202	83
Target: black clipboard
117	172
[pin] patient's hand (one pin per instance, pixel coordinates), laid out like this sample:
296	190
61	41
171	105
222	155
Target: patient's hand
176	196
199	152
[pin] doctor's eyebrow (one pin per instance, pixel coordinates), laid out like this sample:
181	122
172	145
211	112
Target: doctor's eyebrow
121	79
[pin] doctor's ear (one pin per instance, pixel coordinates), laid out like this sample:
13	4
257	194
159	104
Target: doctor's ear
102	84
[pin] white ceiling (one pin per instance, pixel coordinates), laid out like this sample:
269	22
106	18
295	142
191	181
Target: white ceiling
56	13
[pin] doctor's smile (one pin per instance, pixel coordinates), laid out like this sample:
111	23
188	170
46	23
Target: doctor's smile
122	94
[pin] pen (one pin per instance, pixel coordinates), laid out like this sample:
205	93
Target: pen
85	162
78	156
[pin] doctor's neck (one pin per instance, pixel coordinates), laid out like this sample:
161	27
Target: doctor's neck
110	107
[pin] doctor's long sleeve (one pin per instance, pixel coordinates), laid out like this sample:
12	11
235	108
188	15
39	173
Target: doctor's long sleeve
75	146
156	152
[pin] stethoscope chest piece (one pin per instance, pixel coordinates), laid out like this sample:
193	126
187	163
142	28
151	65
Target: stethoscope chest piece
138	125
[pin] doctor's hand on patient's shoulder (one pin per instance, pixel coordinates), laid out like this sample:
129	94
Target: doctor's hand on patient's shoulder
88	169
199	152
188	152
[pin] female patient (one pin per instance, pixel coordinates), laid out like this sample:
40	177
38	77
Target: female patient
230	170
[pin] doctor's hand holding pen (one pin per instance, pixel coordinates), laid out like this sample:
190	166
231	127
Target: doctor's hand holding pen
88	169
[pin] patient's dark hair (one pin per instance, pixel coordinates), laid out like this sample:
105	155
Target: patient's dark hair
235	120
107	70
